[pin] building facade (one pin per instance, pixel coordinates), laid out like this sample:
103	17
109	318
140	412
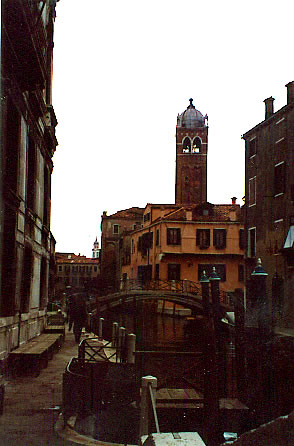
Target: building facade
75	272
180	242
269	208
113	228
28	143
191	156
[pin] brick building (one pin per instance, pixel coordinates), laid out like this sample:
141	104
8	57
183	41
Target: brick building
191	156
269	210
113	228
28	143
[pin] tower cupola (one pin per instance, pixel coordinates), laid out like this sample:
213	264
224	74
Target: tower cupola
191	118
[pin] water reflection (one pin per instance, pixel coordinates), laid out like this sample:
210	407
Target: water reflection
152	330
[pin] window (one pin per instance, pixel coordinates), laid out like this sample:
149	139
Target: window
252	242
252	191
12	135
27	279
133	246
43	282
147	217
196	145
31	174
157	237
145	242
173	236
9	263
115	229
60	268
252	147
279	179
241	239
47	195
95	269
174	271
219	238
241	273
208	268
187	145
203	238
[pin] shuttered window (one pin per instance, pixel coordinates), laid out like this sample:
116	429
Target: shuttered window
173	236
219	238
203	238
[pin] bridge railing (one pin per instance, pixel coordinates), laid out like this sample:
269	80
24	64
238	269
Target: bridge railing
180	286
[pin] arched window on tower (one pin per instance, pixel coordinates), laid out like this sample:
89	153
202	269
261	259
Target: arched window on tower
196	145
187	145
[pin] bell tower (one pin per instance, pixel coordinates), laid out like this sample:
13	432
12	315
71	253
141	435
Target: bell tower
191	157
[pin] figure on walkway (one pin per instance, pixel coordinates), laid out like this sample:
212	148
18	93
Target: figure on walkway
78	315
69	313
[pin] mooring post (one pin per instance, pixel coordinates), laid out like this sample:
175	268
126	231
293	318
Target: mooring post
147	383
131	348
114	334
100	328
121	343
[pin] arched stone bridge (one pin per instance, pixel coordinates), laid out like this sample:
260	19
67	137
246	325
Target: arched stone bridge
182	292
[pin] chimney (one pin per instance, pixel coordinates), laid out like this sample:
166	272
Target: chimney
189	215
269	107
290	92
234	199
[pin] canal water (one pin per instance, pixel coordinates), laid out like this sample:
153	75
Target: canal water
168	348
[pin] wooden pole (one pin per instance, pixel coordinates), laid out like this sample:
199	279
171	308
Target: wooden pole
131	348
146	410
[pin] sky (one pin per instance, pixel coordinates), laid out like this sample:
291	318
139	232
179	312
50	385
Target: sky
124	70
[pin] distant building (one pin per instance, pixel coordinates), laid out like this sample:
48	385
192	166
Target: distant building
180	242
28	143
96	250
75	271
113	228
269	205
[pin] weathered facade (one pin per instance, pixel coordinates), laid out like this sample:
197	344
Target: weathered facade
28	143
113	228
269	210
179	242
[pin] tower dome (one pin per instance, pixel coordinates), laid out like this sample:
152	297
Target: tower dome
191	118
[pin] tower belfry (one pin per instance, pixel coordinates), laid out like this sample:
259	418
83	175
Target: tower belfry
191	157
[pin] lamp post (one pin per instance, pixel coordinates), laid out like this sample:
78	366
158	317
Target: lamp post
258	277
259	288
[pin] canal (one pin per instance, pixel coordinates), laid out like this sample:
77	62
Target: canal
171	349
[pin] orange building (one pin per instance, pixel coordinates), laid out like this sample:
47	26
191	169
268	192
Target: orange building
179	242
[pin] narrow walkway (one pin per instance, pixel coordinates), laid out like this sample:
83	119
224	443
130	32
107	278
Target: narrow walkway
32	405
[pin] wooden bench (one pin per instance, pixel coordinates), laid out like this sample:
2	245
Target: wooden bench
35	354
55	329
